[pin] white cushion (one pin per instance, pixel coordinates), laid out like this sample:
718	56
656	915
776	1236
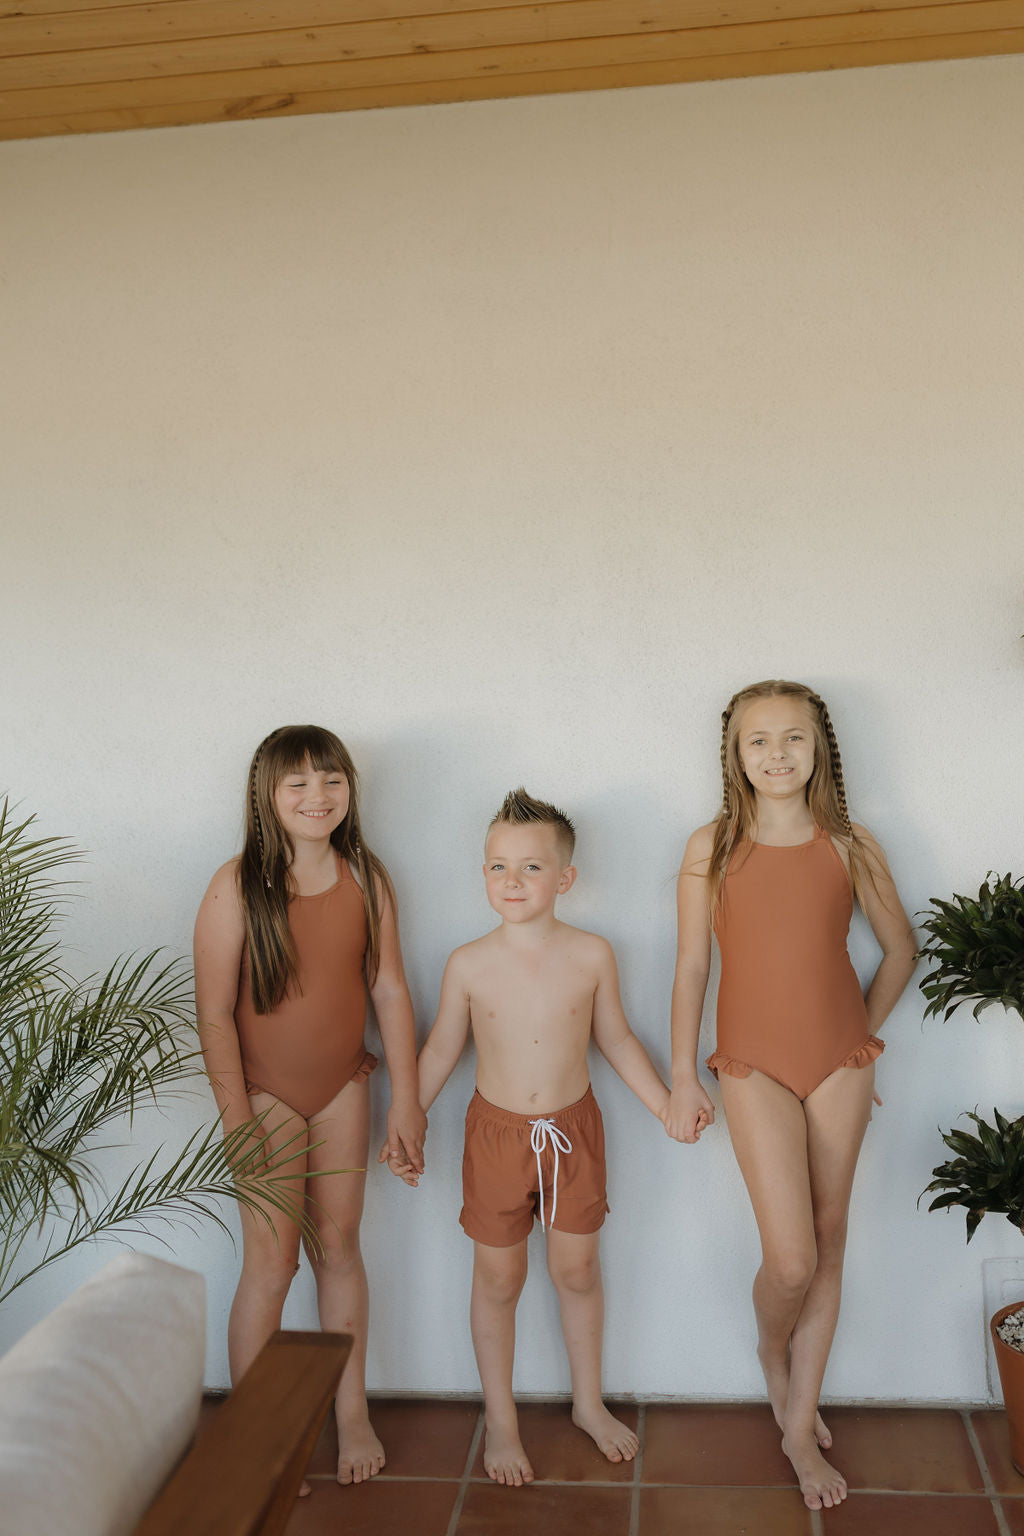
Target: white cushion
100	1399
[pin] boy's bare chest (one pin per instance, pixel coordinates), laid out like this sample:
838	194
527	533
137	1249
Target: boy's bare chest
534	1000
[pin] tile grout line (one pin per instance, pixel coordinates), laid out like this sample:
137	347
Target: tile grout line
460	1497
986	1476
638	1466
817	1523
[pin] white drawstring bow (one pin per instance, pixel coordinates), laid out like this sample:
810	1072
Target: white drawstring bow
543	1131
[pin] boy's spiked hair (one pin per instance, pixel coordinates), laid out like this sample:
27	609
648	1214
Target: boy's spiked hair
518	808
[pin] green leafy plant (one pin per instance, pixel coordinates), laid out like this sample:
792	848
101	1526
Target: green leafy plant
976	949
987	1174
78	1059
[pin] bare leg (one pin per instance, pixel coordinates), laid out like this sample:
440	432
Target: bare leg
270	1251
575	1268
498	1278
336	1205
837	1114
769	1136
270	1254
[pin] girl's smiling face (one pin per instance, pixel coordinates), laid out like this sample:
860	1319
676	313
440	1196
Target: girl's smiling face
311	804
775	739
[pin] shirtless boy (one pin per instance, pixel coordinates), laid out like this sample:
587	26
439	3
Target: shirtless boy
534	991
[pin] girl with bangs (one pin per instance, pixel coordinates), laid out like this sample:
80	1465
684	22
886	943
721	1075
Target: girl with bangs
289	938
775	877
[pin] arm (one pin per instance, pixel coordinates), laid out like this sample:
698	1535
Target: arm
407	1123
441	1049
892	930
690	1110
617	1042
219	940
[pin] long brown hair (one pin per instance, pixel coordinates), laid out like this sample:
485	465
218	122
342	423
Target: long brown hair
826	792
264	881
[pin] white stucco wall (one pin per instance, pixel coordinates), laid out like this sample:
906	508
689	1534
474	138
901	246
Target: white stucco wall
508	440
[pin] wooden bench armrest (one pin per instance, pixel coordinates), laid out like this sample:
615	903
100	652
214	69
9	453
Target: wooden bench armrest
242	1475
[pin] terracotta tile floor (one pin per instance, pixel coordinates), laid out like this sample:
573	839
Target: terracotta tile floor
703	1470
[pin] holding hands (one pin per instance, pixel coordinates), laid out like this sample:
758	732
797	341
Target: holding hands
688	1112
403	1145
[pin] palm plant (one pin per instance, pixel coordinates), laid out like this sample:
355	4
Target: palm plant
987	1174
976	947
78	1058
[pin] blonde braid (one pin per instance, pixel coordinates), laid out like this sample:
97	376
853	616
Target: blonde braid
835	761
726	796
257	823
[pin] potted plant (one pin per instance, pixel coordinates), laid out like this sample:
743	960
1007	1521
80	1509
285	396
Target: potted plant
987	1174
78	1058
975	946
976	949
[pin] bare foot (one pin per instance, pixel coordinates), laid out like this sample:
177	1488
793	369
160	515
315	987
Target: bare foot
612	1439
821	1485
305	1490
505	1461
360	1453
776	1376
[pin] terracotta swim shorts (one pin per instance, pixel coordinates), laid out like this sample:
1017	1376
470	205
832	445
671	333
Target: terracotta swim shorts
503	1188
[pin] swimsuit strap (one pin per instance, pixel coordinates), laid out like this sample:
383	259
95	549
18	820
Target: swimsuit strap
545	1130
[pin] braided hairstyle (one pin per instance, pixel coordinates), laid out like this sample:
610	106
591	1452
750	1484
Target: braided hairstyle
826	791
264	879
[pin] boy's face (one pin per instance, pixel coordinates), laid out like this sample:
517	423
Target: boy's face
524	870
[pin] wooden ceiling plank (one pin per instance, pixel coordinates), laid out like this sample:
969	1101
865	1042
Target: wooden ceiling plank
666	72
962	16
559	19
132	22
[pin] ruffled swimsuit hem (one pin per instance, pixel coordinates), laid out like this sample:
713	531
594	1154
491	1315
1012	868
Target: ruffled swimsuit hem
360	1075
732	1066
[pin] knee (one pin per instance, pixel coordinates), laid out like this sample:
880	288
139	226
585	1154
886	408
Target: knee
578	1276
791	1272
499	1287
270	1270
336	1249
830	1233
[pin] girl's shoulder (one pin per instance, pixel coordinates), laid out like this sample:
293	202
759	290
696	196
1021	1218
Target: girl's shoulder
699	845
224	885
870	850
382	886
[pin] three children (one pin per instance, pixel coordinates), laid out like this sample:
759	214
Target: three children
294	932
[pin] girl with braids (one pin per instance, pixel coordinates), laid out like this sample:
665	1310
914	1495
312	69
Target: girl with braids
775	877
289	938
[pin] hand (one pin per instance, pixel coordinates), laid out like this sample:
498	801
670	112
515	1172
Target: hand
689	1112
407	1130
400	1166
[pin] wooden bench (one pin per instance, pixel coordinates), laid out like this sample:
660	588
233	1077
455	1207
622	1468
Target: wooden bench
242	1475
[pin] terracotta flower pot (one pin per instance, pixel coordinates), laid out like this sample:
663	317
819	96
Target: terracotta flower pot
1011	1376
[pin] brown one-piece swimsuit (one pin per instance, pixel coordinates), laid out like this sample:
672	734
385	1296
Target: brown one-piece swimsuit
312	1044
789	1002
